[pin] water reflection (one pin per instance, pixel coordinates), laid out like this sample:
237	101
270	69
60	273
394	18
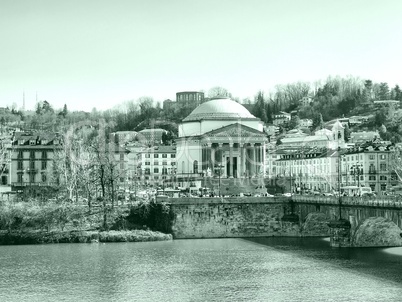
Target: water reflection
259	269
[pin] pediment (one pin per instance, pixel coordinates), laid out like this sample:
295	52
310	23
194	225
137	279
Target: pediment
235	130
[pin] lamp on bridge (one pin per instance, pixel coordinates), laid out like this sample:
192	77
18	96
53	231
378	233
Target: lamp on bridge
340	229
356	171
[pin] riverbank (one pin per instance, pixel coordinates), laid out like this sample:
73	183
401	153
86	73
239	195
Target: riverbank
76	236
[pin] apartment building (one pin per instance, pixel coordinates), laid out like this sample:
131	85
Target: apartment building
309	169
369	166
157	165
31	160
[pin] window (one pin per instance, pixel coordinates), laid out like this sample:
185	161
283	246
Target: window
382	156
19	165
156	163
19	177
383	177
32	142
44	154
156	177
371	157
121	156
164	163
383	187
44	178
372	177
164	155
173	163
31	164
147	155
31	177
383	167
32	154
156	155
147	171
44	165
20	155
147	163
164	171
195	166
156	170
172	155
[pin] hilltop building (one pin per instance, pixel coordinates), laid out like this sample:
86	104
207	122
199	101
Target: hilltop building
281	118
190	98
151	137
331	137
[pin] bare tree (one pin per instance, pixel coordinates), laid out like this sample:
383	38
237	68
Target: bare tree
395	163
218	92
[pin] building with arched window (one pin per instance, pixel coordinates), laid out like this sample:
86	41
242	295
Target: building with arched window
220	138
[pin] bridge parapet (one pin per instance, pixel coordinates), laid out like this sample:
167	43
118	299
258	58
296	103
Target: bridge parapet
378	202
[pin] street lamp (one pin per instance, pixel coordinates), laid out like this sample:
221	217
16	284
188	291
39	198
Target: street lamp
356	171
219	166
339	182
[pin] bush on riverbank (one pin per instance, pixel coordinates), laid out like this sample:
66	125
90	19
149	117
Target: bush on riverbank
51	222
41	237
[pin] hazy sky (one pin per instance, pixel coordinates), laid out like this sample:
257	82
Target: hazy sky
95	53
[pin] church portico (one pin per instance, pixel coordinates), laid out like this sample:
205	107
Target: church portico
235	159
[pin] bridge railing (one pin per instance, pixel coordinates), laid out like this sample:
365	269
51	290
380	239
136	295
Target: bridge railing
383	201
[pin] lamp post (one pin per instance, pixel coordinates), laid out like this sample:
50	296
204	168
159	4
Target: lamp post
339	182
356	171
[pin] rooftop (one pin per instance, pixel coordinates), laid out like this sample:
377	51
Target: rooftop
219	109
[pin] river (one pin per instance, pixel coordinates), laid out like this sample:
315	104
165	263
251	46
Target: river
260	269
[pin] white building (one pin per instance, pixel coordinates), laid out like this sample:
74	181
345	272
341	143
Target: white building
220	137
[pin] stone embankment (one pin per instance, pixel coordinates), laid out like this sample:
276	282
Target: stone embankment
377	231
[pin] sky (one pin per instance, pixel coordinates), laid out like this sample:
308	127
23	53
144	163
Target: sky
101	53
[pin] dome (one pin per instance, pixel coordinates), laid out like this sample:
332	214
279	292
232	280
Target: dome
219	109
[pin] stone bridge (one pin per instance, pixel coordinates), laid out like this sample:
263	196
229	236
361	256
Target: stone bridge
364	221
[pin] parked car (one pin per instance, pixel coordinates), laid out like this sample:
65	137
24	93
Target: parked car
287	194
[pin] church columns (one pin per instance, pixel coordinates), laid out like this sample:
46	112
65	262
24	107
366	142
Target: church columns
243	160
209	155
212	157
231	160
254	160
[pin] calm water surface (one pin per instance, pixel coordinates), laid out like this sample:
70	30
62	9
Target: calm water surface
263	269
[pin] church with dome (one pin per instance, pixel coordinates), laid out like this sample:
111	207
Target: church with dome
220	138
